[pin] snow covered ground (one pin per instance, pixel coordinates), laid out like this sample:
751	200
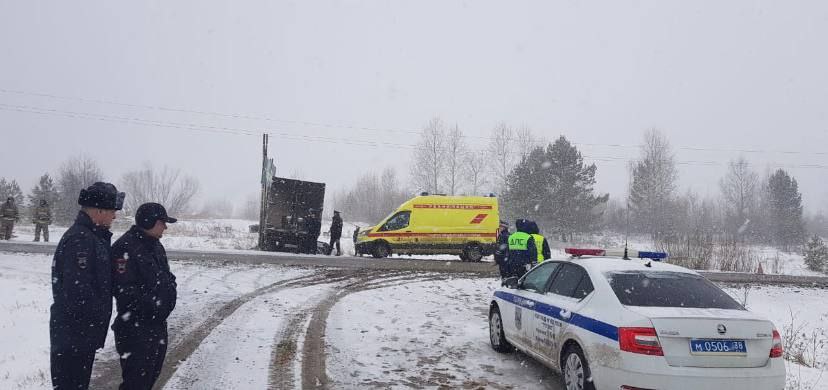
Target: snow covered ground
430	333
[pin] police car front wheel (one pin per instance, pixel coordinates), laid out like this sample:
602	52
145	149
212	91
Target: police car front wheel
496	335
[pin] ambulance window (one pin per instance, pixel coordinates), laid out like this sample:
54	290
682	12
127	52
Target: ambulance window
537	279
398	221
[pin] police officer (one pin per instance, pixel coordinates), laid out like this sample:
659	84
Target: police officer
81	288
336	233
145	292
522	249
8	216
502	250
544	253
42	218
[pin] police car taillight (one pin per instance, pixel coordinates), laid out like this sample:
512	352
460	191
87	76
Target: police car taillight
640	340
776	350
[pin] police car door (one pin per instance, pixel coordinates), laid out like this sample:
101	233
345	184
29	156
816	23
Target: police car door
563	299
531	289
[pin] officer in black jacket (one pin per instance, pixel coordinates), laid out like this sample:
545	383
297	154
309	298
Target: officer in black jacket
81	288
145	292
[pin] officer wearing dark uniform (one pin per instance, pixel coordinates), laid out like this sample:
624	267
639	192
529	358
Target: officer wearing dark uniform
522	250
42	218
81	288
541	243
502	250
145	292
8	216
336	233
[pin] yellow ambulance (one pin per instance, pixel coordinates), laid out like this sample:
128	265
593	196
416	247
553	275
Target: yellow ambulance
435	224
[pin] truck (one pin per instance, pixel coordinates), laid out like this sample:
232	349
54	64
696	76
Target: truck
287	226
434	224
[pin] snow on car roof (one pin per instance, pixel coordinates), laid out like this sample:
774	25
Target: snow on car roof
604	264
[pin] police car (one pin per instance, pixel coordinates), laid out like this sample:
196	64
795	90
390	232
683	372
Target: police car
604	322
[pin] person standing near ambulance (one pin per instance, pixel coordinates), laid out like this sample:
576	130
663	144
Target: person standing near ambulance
145	292
544	253
522	250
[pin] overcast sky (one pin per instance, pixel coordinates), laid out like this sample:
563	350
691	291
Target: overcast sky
713	76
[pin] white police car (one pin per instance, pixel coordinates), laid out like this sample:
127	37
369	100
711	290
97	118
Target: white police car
610	323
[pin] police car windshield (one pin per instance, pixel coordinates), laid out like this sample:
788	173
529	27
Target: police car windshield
668	289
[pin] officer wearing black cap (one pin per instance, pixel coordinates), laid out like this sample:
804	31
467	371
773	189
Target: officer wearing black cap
145	292
81	288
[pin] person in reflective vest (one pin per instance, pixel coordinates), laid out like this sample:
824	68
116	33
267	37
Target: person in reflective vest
544	253
522	249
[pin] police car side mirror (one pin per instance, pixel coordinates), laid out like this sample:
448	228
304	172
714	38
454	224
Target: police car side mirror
510	282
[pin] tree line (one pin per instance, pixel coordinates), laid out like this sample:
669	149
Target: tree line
550	183
167	186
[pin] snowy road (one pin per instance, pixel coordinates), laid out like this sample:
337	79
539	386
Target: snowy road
269	326
240	325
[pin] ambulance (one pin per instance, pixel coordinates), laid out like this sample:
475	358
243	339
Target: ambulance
435	224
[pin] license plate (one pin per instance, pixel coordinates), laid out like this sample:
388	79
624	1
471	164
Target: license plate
718	347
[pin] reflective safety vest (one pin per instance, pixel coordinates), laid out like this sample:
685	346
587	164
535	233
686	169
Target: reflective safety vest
519	241
539	245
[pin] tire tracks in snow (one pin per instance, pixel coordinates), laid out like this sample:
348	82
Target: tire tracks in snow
312	366
108	372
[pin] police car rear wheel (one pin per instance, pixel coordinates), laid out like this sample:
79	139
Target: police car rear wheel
496	335
576	374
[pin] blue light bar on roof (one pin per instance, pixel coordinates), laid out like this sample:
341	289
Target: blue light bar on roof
657	256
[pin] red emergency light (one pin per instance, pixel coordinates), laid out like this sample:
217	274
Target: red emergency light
584	252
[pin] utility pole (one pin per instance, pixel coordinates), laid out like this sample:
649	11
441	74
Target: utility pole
265	180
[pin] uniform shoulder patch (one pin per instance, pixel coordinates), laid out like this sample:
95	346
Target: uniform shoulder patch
83	260
121	265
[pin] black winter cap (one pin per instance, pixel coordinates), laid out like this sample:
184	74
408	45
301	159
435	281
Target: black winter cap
102	196
148	213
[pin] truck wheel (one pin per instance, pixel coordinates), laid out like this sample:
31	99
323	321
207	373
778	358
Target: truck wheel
473	253
381	250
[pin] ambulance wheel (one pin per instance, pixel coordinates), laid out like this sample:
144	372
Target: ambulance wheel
472	252
381	250
496	335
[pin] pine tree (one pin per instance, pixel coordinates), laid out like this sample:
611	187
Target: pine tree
816	254
45	189
652	199
553	186
571	205
785	210
11	188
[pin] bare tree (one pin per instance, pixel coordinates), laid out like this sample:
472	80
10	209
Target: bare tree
217	208
501	154
525	141
739	193
75	174
372	197
167	187
250	208
429	157
455	153
475	170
